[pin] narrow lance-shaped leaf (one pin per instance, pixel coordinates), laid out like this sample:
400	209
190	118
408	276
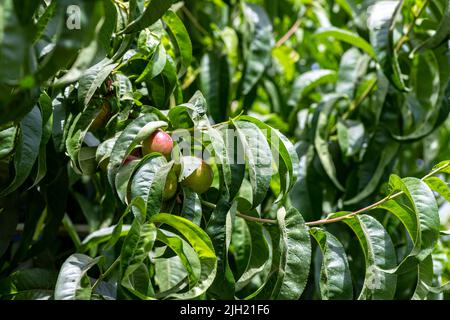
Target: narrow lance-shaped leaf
180	38
202	245
321	137
421	218
135	249
439	186
283	153
259	253
257	155
261	42
335	277
379	256
149	181
381	21
291	257
27	149
441	32
219	230
185	253
153	12
215	84
73	282
387	155
134	133
308	81
424	279
346	36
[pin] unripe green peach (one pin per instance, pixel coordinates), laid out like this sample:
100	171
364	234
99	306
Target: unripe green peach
158	141
171	186
201	179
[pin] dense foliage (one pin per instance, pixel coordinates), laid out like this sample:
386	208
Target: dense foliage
224	149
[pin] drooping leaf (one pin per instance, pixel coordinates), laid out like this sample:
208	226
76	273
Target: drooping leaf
202	245
258	157
27	149
335	277
381	19
379	256
260	46
291	257
153	12
73	282
346	36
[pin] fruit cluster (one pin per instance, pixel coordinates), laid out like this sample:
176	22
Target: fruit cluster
199	180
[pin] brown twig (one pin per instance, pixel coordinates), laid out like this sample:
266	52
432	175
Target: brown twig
288	34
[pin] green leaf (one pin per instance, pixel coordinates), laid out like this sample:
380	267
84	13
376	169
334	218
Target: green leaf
283	153
14	47
424	279
27	149
335	277
45	103
7	141
219	229
259	255
230	178
77	133
350	136
73	282
155	65
149	181
124	179
169	272
44	20
180	38
215	84
188	258
135	250
92	78
153	12
258	157
260	45
352	68
291	257
379	256
423	228
321	137
441	33
202	245
387	155
308	81
134	133
192	206
439	186
381	21
346	36
29	284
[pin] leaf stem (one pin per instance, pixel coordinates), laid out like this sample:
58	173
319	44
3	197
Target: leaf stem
372	206
243	216
194	21
410	27
254	219
337	219
288	34
105	274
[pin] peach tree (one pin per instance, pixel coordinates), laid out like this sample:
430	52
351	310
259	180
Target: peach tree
224	149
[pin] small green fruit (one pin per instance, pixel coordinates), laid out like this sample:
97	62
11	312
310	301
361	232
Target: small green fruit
171	186
201	179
